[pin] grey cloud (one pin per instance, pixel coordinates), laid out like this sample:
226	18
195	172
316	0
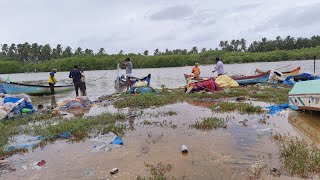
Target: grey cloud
172	13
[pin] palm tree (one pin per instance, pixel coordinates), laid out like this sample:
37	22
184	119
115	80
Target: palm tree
12	51
243	43
46	52
67	52
146	52
156	52
101	51
88	52
78	52
59	51
5	49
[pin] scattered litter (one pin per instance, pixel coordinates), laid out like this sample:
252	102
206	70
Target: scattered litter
65	135
277	108
5	166
117	140
75	103
41	163
114	171
25	142
184	149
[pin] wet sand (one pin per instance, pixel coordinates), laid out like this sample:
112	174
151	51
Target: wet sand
216	154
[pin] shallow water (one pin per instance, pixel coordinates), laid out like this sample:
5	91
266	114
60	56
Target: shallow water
170	77
219	154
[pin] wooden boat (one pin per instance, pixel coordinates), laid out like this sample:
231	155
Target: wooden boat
305	95
122	81
17	88
245	80
286	73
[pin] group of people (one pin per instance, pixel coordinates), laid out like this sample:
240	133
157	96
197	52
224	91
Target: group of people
78	79
78	76
218	68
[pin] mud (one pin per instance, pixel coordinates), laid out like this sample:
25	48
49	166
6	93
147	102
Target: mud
219	154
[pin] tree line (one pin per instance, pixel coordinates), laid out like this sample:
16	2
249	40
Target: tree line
265	45
35	53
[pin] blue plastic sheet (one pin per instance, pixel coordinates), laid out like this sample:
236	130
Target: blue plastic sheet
277	108
23	104
27	145
65	135
142	90
2	90
117	140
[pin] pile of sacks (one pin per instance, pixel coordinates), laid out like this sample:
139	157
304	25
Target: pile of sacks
15	104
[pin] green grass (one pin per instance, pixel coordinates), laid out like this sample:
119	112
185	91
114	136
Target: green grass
240	107
80	128
12	127
158	172
266	94
298	158
209	123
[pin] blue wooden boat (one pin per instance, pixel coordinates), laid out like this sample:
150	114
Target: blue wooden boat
122	81
17	88
305	95
245	80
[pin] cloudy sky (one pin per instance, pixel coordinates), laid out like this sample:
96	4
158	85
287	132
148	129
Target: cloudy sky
137	25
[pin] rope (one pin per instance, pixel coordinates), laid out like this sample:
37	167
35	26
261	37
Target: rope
105	72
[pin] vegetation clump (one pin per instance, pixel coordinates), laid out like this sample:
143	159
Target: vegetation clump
240	107
158	171
298	158
209	123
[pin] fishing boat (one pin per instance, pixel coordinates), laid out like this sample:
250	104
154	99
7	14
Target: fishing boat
17	88
245	80
305	95
122	81
286	73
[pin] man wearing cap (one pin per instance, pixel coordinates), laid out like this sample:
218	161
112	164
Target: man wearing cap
52	80
128	65
196	71
219	67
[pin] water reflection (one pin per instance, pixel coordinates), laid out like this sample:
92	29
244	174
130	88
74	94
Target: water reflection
307	124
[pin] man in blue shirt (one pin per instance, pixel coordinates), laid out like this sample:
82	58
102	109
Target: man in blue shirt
75	74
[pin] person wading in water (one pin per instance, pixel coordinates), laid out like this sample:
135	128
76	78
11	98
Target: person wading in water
128	65
75	74
219	67
52	80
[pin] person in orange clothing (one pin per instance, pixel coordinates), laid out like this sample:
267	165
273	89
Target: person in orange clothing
196	71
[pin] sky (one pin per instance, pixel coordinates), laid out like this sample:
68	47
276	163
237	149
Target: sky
138	25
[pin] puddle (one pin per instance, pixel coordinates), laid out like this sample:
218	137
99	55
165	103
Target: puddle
158	136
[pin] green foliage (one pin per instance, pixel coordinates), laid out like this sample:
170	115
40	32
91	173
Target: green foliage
209	123
103	62
297	156
240	107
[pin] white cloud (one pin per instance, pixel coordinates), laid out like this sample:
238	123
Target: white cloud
134	26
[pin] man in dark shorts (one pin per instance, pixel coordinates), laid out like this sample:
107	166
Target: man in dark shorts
75	74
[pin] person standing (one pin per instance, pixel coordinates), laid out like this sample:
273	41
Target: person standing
129	66
196	71
83	83
75	74
219	68
52	80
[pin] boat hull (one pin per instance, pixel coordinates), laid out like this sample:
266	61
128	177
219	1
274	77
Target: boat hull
305	95
16	88
245	80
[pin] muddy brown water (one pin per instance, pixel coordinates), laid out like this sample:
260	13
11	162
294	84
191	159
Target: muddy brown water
216	154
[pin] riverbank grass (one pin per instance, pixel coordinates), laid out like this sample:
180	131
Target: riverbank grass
240	107
209	123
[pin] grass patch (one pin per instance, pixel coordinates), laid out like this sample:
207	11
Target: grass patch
298	158
12	127
80	128
209	123
265	94
240	107
158	171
